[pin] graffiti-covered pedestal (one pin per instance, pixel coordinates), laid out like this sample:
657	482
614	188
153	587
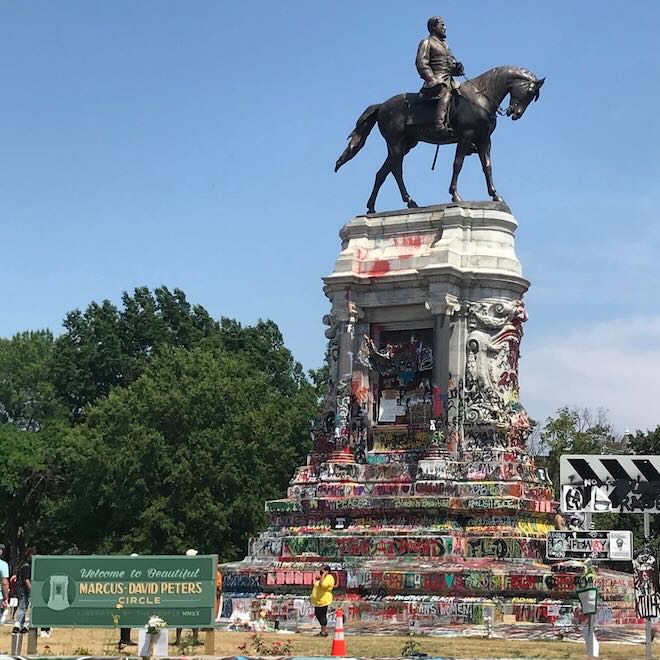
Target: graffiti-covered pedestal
419	491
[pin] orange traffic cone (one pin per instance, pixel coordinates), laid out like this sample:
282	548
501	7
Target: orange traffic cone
338	641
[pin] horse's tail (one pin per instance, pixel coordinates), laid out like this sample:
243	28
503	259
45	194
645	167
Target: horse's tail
360	134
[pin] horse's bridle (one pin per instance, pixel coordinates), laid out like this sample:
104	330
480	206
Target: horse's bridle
498	106
514	106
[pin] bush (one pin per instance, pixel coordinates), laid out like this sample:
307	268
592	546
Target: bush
260	646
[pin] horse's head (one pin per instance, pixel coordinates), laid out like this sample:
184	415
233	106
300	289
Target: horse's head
523	92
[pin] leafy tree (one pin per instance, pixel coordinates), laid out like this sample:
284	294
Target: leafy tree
23	482
185	455
152	321
576	431
105	347
264	345
645	442
27	396
147	426
28	407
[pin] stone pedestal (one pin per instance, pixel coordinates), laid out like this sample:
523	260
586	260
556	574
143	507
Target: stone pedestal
453	270
418	491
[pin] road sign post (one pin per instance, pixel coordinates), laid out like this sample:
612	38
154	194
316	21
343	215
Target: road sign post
588	596
649	629
594	483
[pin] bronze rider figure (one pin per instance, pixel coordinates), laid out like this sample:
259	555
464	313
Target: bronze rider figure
436	65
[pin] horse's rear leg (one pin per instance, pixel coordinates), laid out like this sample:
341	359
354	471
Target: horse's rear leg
381	175
483	147
397	152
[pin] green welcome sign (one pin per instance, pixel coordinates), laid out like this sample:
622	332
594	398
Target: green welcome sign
111	590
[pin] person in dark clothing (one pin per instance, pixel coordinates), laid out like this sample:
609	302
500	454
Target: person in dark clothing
125	638
191	552
125	633
23	590
4	578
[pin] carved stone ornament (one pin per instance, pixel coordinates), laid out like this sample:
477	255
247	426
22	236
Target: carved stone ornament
343	421
331	321
323	425
448	305
491	372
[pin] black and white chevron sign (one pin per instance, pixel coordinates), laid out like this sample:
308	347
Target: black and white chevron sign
595	484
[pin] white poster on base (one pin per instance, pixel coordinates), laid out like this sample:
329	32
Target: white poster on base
621	545
160	645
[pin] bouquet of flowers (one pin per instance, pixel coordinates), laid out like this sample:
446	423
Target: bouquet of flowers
154	625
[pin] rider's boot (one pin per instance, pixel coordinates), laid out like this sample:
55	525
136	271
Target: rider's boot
441	115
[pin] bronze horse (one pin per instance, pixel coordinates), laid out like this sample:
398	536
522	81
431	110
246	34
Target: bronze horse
406	119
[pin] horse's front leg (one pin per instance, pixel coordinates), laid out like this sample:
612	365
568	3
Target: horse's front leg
461	151
483	147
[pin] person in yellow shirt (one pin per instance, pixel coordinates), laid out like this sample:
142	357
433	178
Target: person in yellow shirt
322	597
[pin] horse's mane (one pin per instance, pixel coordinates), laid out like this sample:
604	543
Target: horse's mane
496	72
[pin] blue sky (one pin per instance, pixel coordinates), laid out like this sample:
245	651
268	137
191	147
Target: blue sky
192	144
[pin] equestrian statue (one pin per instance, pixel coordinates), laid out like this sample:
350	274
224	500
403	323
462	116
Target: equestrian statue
443	113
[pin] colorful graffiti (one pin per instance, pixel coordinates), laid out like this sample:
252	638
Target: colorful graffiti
421	498
355	546
450	576
430	613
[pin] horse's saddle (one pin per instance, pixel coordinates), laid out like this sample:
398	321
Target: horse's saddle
422	114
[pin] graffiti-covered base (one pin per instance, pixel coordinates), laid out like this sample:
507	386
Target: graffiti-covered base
419	492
